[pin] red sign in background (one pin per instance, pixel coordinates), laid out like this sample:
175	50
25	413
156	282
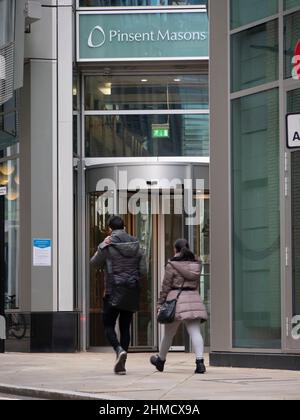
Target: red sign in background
296	62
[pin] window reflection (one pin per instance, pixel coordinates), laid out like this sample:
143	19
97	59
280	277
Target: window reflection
246	11
147	92
291	38
147	135
256	221
254	57
289	4
9	177
6	19
132	3
8	125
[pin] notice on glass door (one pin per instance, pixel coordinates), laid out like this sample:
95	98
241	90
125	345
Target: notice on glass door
42	250
3	191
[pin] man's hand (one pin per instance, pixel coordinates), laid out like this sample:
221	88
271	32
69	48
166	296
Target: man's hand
108	240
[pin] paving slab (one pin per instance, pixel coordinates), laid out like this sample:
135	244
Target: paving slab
90	376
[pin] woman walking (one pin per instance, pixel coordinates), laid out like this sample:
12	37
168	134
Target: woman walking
183	272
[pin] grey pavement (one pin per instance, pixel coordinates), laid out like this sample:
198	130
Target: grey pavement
90	376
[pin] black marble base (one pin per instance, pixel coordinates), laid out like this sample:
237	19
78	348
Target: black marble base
256	360
44	332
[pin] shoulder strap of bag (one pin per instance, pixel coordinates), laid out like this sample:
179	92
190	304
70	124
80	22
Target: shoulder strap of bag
181	288
108	261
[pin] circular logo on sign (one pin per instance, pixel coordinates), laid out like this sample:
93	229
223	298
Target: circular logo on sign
97	37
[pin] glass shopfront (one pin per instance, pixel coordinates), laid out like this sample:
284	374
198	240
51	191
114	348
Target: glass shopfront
140	3
293	105
146	115
256	221
265	187
135	113
10	178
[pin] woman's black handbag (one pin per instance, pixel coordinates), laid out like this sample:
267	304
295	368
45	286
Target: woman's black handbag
167	312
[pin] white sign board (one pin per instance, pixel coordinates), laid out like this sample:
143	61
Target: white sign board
293	131
3	191
42	252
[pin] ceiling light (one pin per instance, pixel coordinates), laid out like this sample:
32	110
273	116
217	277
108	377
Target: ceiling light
105	89
144	80
12	196
3	180
177	80
7	168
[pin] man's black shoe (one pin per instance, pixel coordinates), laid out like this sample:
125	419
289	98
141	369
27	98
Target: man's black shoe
119	368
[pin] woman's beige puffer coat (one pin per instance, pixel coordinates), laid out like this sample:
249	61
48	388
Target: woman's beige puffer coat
190	304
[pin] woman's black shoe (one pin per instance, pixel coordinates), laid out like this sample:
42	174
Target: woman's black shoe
158	363
200	366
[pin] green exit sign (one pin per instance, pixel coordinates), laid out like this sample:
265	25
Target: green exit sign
160	131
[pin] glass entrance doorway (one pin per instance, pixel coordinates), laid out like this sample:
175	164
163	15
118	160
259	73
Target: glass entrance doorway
157	231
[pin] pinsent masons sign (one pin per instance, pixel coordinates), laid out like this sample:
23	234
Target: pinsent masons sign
142	36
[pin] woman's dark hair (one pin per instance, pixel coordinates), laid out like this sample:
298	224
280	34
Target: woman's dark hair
183	248
116	223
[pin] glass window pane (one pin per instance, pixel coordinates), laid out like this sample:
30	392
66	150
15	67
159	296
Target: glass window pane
254	57
8	125
146	92
75	92
246	11
293	105
256	221
146	135
75	135
9	176
131	3
289	4
291	38
293	101
7	9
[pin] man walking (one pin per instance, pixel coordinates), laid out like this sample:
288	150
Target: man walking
124	262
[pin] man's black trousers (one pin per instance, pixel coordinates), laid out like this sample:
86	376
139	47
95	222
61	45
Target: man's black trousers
110	316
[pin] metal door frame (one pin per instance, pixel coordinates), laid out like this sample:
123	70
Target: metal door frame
195	169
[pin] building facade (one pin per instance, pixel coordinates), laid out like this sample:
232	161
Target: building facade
114	118
254	184
109	114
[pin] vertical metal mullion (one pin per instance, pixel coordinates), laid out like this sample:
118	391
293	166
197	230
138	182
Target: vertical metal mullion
2	270
160	253
158	256
83	268
283	208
